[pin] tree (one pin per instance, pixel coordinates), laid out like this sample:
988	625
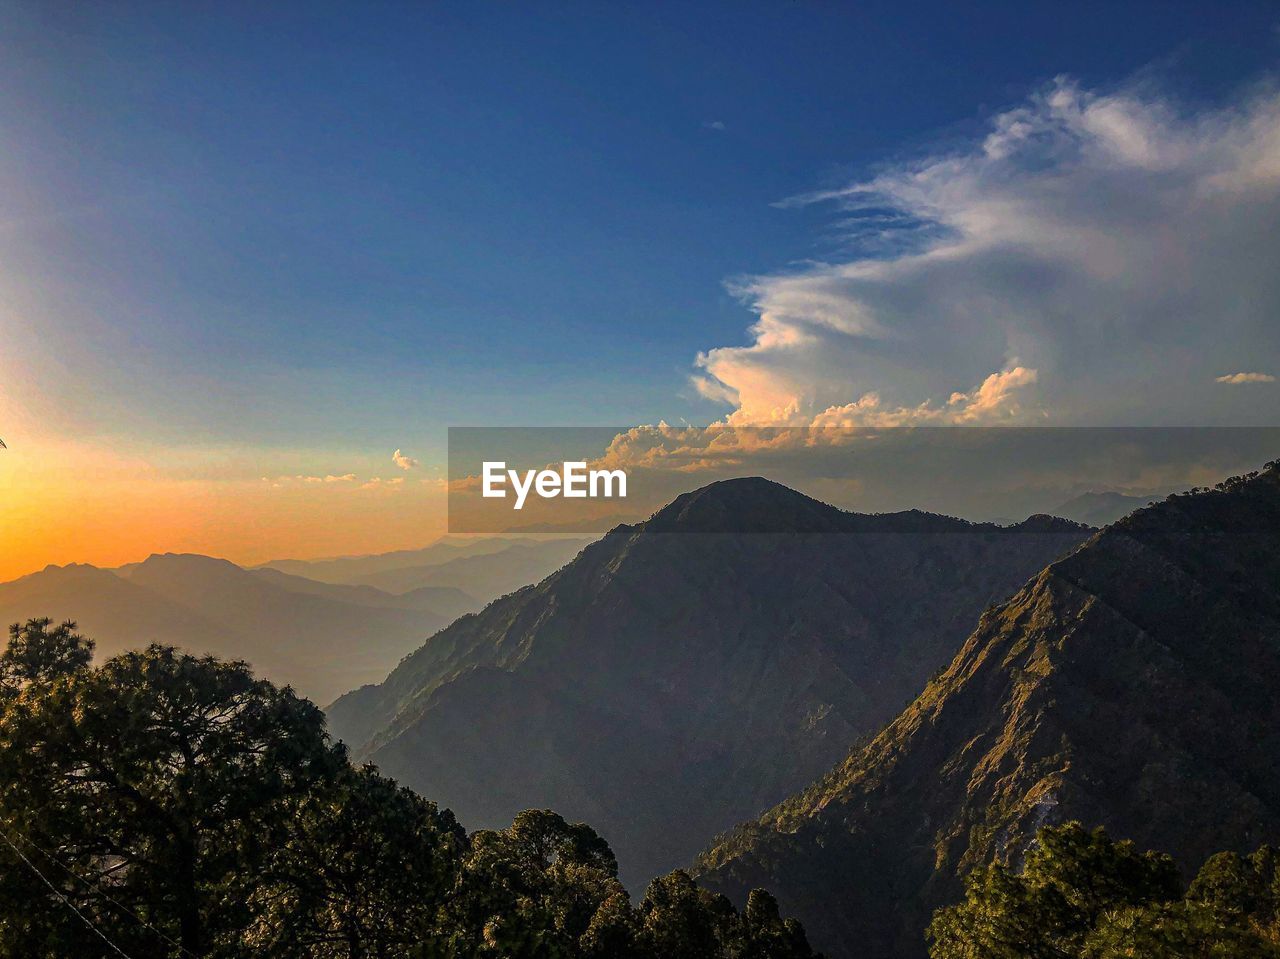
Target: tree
541	887
159	778
179	807
681	920
1083	896
767	935
1072	876
38	654
364	870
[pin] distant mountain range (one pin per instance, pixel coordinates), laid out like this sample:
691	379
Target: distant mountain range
664	685
347	569
484	569
1101	508
1133	684
313	635
322	626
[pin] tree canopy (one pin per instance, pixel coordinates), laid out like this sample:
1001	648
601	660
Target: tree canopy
168	805
1082	895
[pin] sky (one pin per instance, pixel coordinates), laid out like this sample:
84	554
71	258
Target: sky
255	259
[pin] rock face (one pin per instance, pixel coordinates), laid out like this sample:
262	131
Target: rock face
1133	684
685	673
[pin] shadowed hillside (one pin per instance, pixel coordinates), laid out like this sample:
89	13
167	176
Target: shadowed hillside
1132	684
687	672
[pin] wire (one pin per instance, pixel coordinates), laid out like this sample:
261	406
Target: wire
97	887
65	901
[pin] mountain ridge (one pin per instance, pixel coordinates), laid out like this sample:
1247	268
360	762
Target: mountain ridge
1128	684
310	638
730	666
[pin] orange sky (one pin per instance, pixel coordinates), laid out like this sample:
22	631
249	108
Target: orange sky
64	502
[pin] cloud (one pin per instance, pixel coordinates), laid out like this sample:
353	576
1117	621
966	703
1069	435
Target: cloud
1237	378
995	399
302	480
402	461
714	125
1088	260
378	483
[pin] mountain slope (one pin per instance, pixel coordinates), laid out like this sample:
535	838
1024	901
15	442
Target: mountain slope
319	643
483	569
446	602
115	612
1102	508
483	575
684	673
346	569
1132	684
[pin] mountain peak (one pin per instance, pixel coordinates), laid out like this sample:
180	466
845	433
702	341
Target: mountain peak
748	504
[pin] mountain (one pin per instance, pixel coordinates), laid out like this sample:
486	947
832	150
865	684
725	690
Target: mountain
684	673
1134	684
318	640
1102	508
117	613
486	575
447	602
346	569
483	569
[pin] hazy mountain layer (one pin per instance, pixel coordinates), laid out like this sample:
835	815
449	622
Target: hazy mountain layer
445	601
1133	684
483	575
346	569
318	639
1102	508
685	673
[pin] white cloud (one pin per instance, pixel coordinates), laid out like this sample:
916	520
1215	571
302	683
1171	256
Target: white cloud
377	482
302	480
714	125
997	398
1090	260
403	461
1237	378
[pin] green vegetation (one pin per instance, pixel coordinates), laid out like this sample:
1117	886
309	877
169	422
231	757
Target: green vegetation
166	805
1082	895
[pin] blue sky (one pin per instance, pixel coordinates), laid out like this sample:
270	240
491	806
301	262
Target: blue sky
247	251
272	226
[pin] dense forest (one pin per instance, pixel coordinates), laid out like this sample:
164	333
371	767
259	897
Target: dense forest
1081	895
165	805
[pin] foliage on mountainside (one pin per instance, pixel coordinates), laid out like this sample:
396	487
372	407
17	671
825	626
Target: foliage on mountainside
1082	895
1132	684
166	805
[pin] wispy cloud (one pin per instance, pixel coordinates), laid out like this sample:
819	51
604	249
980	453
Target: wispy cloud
403	461
302	480
714	125
1238	378
1082	262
